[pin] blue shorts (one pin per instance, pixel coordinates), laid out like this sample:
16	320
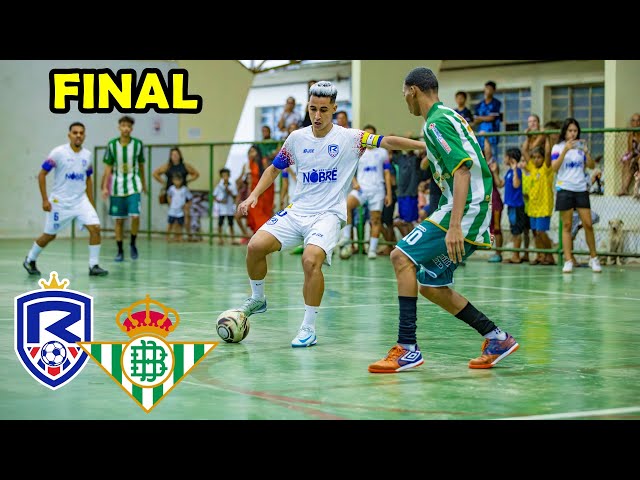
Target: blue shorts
426	248
542	224
408	208
123	207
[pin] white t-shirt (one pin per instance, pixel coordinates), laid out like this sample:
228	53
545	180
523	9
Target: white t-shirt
570	176
71	170
179	196
324	167
371	168
226	201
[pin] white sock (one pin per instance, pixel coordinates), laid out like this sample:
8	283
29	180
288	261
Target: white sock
34	252
373	245
257	289
94	255
408	346
310	314
346	233
496	333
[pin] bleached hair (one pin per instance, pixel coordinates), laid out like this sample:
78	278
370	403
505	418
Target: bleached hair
324	88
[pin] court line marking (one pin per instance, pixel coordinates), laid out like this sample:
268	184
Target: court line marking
587	413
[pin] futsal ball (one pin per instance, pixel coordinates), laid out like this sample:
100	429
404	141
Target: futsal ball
232	326
53	353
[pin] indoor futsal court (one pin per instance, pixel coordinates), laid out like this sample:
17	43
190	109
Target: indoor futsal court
579	352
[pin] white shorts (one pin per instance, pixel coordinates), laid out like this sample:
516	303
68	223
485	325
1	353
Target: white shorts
373	197
59	217
291	229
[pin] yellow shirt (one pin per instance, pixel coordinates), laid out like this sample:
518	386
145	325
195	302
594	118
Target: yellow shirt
540	190
526	187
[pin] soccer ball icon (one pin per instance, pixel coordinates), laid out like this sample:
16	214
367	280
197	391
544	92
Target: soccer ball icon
232	326
53	353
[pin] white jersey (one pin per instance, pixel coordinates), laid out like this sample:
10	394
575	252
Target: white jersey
324	167
179	197
226	201
371	168
570	176
71	170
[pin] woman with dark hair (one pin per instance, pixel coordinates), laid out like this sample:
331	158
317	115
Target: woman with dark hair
263	211
176	166
569	158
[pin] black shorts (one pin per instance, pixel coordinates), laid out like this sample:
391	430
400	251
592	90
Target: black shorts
229	218
518	220
178	220
568	200
387	212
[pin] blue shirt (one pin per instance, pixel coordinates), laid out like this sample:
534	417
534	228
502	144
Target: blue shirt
492	108
513	196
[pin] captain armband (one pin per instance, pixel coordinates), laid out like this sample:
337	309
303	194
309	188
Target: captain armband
370	140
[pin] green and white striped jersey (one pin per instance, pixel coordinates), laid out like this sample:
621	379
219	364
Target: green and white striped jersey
126	162
451	143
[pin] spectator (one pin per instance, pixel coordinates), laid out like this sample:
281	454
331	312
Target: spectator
461	107
179	199
269	145
263	211
388	229
514	200
531	141
526	186
497	206
289	116
569	158
342	119
631	158
225	194
176	166
541	202
243	188
488	116
408	178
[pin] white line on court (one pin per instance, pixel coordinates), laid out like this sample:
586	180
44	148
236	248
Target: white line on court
567	415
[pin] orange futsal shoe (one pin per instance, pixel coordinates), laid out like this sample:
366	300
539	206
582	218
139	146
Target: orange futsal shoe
397	360
493	351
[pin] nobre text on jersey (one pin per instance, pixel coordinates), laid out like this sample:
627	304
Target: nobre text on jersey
101	90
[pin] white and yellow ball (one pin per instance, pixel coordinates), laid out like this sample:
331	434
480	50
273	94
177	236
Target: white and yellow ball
232	326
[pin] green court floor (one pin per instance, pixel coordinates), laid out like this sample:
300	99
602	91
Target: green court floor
579	338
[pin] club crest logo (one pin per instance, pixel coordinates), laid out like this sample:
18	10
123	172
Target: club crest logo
48	324
333	150
147	367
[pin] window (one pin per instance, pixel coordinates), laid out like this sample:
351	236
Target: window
585	103
270	116
516	108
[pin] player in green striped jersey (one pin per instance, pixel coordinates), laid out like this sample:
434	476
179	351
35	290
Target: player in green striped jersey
460	225
124	165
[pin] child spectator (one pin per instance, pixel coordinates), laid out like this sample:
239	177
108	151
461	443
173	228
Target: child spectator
514	200
526	186
496	211
225	195
178	196
541	201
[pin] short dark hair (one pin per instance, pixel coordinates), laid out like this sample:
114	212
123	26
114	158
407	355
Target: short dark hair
370	127
342	111
423	78
490	83
514	152
126	119
224	170
538	149
77	124
460	92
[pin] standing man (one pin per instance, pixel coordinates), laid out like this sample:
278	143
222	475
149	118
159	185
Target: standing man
124	162
326	156
434	248
71	198
488	116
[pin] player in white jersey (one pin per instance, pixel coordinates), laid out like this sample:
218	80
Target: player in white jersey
326	157
372	186
71	198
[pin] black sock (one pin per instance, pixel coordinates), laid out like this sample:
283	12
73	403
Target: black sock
407	326
476	319
119	242
133	240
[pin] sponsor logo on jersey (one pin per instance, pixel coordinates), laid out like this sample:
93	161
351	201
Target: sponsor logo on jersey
320	176
439	137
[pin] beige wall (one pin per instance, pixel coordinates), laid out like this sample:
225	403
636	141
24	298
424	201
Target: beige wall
223	86
377	95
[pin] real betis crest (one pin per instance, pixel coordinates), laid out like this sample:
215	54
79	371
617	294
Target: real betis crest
147	367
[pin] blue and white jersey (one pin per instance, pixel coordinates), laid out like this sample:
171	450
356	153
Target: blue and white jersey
324	166
71	170
371	169
570	176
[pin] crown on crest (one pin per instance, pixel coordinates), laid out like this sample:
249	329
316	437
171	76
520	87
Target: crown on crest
147	320
53	284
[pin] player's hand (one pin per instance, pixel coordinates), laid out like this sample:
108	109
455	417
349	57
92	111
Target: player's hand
46	205
455	244
387	200
251	201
